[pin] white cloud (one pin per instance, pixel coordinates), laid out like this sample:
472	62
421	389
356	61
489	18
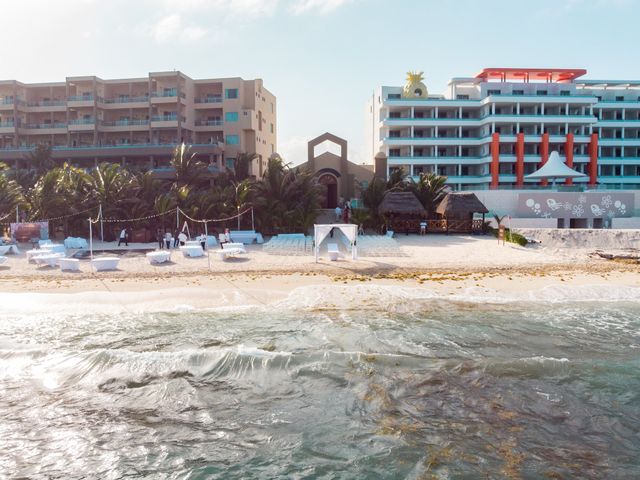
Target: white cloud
322	7
172	27
235	8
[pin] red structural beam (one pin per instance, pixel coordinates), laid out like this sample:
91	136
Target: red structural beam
593	159
551	75
544	154
520	159
568	153
495	160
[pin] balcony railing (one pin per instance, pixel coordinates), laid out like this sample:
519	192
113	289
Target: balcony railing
125	123
82	121
46	125
211	99
164	118
144	98
7	124
47	103
80	98
167	94
208	123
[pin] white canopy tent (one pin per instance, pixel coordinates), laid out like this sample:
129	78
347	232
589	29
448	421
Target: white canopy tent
554	169
320	232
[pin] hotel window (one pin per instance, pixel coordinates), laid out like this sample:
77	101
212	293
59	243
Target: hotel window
231	117
394	134
619	99
394	152
493	92
271	127
541	93
393	96
230	162
462	97
232	140
565	93
518	92
394	114
231	93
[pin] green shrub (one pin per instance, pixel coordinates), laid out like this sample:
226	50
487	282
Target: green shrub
510	236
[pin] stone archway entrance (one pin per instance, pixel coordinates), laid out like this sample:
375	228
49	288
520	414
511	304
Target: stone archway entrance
330	184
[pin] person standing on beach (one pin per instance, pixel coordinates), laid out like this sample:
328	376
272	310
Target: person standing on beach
160	239
123	237
182	237
176	240
167	240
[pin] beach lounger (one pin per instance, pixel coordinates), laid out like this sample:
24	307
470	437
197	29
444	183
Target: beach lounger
105	263
158	257
69	264
192	250
234	245
332	250
49	259
230	252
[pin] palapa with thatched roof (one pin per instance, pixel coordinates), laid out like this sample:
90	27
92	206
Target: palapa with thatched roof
458	208
403	211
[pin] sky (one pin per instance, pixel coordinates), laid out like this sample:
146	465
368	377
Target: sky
321	58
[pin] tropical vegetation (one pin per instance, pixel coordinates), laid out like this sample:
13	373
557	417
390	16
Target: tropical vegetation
285	198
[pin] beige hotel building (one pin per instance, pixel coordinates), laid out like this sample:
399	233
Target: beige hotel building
139	121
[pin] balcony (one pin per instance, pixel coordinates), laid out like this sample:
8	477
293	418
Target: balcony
45	126
170	96
208	99
7	127
82	124
135	124
120	100
208	123
165	121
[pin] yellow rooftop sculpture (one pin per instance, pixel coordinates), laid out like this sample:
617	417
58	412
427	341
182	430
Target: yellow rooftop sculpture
414	88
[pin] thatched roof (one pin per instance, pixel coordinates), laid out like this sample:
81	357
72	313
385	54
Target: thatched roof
456	204
403	203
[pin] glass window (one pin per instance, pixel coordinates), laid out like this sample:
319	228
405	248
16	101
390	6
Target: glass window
619	99
233	140
542	93
231	116
393	96
272	128
565	93
518	92
462	97
493	92
231	93
230	162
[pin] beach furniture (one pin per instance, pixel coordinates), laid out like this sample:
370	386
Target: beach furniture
158	257
243	236
42	243
211	241
259	239
76	243
332	250
9	249
231	250
3	259
49	259
105	263
192	250
69	264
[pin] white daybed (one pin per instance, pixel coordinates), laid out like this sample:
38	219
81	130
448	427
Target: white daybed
332	250
158	257
192	250
105	263
70	264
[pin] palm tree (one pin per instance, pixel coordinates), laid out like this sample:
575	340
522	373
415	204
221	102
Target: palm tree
10	193
111	186
430	190
372	197
188	169
397	179
40	160
242	165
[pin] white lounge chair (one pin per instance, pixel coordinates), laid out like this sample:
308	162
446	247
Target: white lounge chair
105	263
234	246
158	257
69	264
50	259
230	252
192	250
332	250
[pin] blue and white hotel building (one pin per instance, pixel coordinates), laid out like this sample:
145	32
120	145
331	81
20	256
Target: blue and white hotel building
490	130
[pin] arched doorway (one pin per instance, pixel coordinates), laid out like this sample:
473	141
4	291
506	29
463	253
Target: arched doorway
330	183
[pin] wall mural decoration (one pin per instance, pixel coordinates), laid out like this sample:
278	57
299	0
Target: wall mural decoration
575	205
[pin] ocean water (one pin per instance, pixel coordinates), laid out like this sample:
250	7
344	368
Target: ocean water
349	382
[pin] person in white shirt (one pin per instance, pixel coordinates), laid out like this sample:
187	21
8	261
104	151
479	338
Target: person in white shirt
167	240
182	237
338	214
202	238
123	237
